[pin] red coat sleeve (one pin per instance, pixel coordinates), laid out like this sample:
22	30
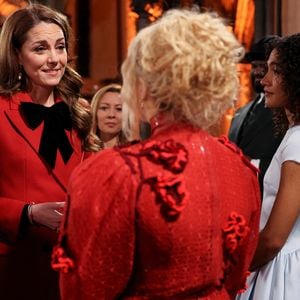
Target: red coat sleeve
101	212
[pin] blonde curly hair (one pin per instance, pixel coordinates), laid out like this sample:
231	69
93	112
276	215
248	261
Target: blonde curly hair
187	60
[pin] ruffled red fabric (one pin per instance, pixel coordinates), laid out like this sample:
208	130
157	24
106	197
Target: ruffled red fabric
60	261
245	286
168	185
171	191
163	219
172	155
234	231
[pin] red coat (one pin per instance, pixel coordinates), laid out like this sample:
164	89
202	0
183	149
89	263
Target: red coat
174	217
25	271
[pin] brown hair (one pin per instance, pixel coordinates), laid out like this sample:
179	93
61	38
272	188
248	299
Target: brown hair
12	37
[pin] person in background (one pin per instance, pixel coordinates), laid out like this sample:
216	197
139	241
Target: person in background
252	127
106	127
276	264
42	126
174	216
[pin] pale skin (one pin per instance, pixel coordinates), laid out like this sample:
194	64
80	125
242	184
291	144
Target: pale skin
43	57
286	207
109	118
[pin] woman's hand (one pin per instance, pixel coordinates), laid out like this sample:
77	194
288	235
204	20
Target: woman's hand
47	214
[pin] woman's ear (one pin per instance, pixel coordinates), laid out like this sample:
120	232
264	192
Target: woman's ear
141	90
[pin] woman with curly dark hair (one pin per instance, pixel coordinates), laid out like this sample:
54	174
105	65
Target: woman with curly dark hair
276	264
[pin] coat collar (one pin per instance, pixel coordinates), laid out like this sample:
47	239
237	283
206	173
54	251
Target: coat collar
32	137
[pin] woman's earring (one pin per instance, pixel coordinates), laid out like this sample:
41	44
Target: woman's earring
20	74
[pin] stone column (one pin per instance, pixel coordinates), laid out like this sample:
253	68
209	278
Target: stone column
290	17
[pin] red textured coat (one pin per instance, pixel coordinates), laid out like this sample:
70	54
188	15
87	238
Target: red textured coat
25	271
174	217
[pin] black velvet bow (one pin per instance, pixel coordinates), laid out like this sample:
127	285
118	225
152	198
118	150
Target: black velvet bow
56	119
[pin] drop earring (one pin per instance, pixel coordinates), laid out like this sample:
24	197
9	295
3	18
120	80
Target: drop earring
20	73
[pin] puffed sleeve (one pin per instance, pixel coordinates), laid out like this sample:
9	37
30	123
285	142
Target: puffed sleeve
99	231
241	209
290	151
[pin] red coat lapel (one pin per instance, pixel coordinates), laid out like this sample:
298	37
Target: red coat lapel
61	171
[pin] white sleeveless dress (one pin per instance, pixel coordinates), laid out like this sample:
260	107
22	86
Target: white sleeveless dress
280	278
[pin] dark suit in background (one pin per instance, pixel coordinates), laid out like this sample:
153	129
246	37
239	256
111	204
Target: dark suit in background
252	130
252	126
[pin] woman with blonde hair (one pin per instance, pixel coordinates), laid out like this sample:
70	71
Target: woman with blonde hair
106	127
175	216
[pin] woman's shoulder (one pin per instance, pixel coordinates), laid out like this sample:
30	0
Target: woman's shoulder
231	155
106	157
289	148
293	133
4	101
291	138
9	102
15	98
103	164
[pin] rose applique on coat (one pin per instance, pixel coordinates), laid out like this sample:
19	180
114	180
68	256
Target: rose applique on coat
171	193
235	231
60	261
171	155
168	184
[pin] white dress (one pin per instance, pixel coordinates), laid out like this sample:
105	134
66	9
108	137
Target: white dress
280	278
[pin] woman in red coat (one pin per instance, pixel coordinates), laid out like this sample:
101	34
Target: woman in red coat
40	123
175	216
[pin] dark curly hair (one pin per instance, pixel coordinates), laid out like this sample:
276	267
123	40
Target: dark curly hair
288	60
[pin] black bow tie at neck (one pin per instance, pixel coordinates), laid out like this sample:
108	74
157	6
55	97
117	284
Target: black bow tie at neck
56	119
